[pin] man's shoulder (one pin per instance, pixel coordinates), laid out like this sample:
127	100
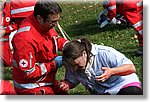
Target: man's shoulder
24	33
24	29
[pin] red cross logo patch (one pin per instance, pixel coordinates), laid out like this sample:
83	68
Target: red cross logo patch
23	63
7	19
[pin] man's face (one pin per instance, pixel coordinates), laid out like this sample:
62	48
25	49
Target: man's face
50	22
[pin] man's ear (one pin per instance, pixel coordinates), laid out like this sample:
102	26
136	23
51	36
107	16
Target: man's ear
39	18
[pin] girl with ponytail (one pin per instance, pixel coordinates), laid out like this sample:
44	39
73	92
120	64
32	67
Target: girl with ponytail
101	69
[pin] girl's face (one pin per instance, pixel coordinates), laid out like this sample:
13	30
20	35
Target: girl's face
81	61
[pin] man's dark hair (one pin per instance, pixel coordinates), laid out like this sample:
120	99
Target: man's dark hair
46	7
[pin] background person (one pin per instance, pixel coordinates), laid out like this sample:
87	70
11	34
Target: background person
13	12
132	11
6	28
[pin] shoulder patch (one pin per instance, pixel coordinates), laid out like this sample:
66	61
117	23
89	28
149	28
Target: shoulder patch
7	19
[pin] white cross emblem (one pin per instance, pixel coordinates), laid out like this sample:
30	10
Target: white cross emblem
23	63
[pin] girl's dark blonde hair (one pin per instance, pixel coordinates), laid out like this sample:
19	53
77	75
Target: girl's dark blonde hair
74	49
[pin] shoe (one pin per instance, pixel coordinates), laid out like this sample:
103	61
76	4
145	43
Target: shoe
139	52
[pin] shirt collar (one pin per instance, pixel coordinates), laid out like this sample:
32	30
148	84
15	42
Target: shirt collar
94	50
93	53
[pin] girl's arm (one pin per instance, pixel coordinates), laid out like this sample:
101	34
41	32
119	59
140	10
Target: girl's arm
122	70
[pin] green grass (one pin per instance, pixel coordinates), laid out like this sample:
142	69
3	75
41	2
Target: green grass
80	20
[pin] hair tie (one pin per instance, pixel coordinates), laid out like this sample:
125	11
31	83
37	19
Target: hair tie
79	40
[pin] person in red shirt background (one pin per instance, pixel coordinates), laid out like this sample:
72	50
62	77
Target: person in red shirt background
132	12
20	9
12	13
6	28
36	44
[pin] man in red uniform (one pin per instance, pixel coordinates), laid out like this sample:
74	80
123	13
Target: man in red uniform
6	28
132	11
35	58
12	14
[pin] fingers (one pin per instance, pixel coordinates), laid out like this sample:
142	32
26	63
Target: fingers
103	80
103	77
64	87
100	79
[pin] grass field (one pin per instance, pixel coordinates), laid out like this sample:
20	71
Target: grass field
79	19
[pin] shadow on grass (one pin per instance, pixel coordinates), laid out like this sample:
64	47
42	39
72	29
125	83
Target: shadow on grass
112	27
88	27
129	51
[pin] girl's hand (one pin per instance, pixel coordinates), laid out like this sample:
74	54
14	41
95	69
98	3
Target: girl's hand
63	86
107	73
